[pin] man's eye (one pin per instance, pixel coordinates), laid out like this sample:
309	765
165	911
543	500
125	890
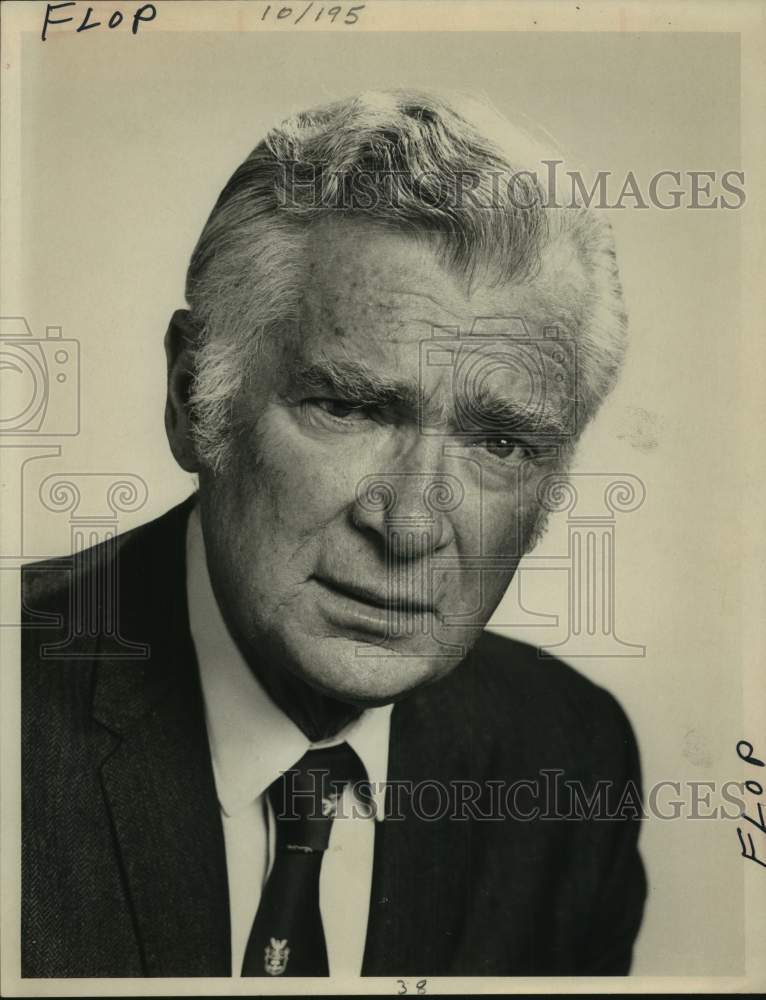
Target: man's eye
339	408
504	447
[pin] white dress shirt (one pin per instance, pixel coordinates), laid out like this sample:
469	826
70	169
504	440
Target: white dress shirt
252	742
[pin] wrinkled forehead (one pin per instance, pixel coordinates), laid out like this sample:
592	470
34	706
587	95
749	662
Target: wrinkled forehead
386	300
367	288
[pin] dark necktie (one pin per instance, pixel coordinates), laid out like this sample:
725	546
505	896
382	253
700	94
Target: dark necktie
287	938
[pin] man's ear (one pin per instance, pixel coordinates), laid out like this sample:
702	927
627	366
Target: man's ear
178	347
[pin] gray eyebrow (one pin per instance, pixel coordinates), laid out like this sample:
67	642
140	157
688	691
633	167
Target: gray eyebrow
363	386
355	381
503	415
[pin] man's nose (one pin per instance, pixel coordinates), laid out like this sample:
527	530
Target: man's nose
409	511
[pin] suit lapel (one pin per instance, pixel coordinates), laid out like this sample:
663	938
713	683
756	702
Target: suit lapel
420	887
169	837
157	776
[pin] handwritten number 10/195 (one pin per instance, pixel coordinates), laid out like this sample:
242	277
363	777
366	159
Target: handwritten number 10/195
294	15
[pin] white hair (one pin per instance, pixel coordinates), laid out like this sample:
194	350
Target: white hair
451	170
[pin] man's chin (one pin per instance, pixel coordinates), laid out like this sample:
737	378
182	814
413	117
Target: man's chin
368	675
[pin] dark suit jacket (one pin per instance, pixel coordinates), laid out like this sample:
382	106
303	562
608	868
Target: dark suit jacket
124	869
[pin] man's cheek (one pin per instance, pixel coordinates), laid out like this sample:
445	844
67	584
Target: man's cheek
526	510
503	525
318	483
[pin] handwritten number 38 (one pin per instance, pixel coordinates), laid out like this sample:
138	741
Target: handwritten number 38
420	986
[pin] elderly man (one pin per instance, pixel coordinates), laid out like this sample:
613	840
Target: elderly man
307	757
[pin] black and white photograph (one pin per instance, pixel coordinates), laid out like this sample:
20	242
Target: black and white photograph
382	532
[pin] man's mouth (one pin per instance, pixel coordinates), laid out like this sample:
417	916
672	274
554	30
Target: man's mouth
395	602
355	607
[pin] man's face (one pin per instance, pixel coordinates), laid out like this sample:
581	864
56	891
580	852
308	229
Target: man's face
382	482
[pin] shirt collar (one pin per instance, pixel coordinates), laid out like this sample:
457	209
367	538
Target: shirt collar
252	741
